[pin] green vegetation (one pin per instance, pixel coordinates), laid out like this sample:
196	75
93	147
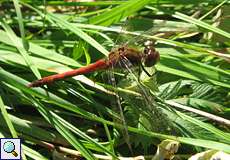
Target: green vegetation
187	100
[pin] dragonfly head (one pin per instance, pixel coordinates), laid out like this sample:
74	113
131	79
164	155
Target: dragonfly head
151	56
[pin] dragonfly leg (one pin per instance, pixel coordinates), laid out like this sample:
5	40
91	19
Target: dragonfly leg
143	68
139	73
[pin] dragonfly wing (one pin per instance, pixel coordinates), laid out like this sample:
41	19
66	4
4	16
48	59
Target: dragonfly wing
151	115
140	110
118	107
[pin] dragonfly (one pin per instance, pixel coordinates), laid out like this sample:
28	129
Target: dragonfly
125	56
148	57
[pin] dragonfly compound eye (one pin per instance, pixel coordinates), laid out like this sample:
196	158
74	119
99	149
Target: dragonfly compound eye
151	56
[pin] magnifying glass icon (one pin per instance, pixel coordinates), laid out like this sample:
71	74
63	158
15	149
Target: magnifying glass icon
9	147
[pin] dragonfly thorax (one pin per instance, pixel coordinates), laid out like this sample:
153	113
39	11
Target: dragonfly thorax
149	56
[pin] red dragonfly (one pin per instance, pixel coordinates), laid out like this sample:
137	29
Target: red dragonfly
148	57
149	116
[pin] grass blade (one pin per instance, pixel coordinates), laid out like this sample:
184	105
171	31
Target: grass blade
201	24
21	49
117	13
21	26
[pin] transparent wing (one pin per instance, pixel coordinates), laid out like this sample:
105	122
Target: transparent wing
121	41
131	33
151	115
137	103
118	107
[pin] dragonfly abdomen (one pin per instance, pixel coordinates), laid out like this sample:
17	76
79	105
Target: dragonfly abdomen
98	65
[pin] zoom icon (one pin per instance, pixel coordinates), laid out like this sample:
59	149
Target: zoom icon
10	148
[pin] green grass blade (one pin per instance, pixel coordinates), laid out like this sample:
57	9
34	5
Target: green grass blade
56	120
80	3
24	127
11	58
217	132
21	49
7	119
41	93
196	142
66	25
193	70
40	51
201	24
83	135
9	123
33	153
117	13
73	140
21	26
206	144
191	141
